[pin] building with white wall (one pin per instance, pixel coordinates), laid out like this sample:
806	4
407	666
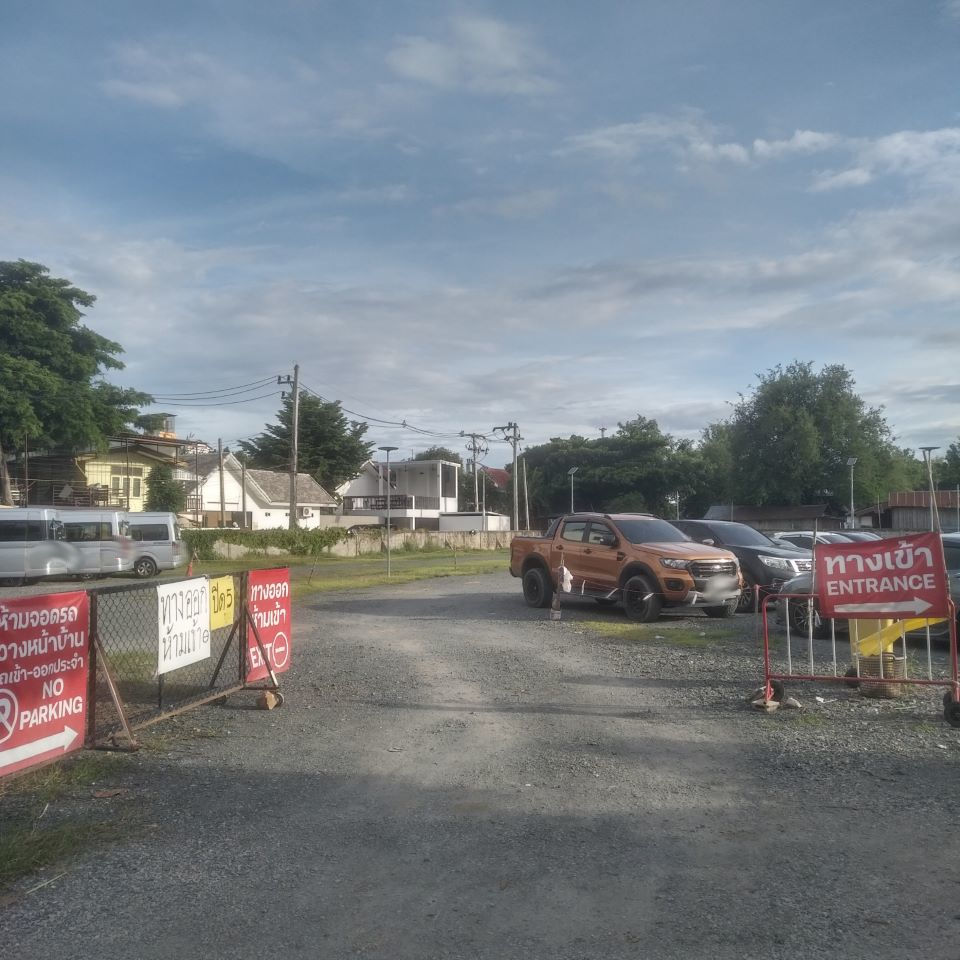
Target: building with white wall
267	501
420	491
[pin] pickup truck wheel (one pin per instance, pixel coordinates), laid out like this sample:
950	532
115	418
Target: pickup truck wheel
641	601
537	589
748	599
726	610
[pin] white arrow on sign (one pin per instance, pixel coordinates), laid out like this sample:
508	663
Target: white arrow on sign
915	606
27	750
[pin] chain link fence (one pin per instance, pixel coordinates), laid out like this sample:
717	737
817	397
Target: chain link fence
124	619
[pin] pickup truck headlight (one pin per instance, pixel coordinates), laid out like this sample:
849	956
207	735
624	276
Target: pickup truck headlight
673	564
779	563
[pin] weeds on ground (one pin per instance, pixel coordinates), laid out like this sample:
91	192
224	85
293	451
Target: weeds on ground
37	826
681	636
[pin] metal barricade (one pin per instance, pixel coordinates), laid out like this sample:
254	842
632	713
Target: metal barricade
874	668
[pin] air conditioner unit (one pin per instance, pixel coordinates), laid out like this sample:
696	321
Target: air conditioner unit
304	512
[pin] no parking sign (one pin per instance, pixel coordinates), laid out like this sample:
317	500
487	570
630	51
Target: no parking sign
44	646
268	605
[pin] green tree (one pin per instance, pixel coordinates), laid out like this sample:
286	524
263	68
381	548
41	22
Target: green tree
947	470
163	492
331	448
439	453
52	392
790	439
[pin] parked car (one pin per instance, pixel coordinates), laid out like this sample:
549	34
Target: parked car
157	543
798	610
861	536
804	538
762	562
635	558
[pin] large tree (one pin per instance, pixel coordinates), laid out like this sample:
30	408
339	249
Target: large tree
163	492
331	448
791	437
52	391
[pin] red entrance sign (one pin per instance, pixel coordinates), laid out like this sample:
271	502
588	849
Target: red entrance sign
897	578
44	643
268	603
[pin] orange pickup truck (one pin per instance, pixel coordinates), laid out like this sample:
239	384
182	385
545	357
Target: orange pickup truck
638	559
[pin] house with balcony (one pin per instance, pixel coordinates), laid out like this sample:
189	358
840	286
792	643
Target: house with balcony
419	492
252	499
116	477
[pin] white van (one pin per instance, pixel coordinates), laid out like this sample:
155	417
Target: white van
32	545
156	541
103	539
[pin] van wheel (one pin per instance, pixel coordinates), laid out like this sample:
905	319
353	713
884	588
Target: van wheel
640	600
537	588
145	567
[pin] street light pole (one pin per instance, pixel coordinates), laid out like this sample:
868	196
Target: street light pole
570	474
934	513
851	463
387	450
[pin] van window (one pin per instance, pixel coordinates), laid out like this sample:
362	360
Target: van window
149	531
88	531
14	531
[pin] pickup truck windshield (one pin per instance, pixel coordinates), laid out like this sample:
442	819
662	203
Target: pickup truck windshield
649	530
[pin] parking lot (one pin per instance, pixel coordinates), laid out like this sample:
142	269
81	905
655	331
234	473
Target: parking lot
453	775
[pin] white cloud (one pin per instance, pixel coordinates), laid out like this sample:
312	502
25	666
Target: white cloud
476	54
689	136
951	9
802	142
830	180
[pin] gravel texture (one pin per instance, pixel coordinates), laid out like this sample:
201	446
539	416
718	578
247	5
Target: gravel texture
455	776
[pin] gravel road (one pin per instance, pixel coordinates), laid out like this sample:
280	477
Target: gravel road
454	776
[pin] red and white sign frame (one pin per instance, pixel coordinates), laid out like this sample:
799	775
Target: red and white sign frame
44	670
897	578
268	607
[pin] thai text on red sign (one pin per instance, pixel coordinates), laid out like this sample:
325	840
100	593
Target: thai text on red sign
44	649
268	605
899	578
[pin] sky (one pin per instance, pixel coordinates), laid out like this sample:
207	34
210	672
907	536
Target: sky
456	215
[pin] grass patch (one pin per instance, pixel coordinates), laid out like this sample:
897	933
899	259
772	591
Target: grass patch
56	781
405	569
680	636
27	846
35	830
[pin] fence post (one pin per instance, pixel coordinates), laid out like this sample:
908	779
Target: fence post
92	669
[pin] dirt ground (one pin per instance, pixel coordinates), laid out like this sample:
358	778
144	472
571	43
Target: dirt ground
454	776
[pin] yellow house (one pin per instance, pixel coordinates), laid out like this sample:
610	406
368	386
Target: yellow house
121	474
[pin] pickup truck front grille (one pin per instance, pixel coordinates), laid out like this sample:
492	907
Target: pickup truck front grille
711	568
804	566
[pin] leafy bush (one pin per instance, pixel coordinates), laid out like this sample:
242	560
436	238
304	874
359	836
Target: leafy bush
298	543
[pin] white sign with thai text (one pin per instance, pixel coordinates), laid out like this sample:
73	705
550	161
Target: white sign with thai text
183	620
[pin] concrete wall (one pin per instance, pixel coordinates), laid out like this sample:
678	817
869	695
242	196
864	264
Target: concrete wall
368	545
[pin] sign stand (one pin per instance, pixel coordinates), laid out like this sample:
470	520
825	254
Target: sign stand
111	742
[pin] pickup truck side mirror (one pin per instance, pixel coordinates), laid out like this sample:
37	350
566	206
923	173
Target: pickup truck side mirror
708	542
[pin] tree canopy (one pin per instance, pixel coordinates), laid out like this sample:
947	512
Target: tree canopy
791	437
52	391
163	492
439	453
330	448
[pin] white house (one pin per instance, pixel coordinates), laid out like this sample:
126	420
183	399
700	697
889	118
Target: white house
420	491
267	502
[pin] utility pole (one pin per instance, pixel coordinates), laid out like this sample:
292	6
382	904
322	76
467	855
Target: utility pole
476	446
243	491
526	495
511	433
294	442
220	461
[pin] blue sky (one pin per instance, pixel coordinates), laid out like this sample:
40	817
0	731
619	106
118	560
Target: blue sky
564	214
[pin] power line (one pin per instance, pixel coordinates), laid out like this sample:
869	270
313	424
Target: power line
224	403
234	389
